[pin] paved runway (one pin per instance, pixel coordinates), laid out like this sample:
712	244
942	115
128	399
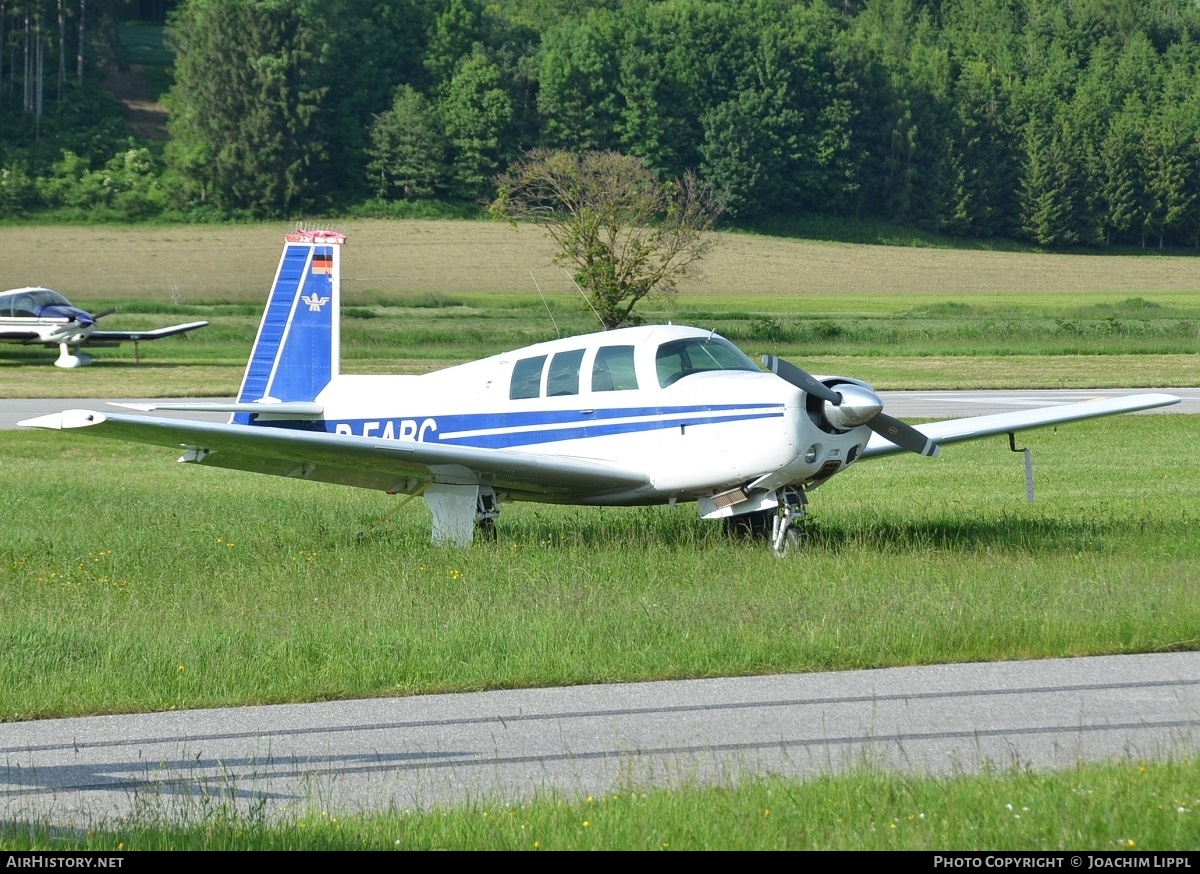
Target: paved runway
416	752
913	404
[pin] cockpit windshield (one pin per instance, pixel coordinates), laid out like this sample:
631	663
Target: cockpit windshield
30	303
679	358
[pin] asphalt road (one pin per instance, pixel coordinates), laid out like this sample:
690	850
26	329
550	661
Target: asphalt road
914	404
408	753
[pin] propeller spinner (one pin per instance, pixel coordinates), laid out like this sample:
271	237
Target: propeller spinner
852	405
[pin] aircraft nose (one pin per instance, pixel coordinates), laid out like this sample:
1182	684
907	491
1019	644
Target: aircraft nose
859	405
74	314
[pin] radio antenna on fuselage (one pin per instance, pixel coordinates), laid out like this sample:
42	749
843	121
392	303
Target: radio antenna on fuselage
585	297
546	304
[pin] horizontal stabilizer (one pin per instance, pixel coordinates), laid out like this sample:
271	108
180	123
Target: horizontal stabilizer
289	409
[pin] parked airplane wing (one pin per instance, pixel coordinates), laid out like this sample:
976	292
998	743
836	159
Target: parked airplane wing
131	336
366	462
957	430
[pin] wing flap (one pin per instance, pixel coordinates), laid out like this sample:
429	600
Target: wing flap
973	428
351	460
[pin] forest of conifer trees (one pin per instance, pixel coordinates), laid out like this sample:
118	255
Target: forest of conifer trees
1059	122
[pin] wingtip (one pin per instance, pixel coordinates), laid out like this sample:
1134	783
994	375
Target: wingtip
64	420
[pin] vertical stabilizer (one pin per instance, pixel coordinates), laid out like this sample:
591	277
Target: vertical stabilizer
297	351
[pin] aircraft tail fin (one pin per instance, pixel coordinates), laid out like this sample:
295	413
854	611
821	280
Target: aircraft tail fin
298	348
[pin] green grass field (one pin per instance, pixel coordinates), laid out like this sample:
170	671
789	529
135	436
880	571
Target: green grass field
264	590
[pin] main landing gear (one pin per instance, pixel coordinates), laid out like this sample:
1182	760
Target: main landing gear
459	511
487	510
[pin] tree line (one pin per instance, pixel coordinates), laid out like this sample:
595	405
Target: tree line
1062	122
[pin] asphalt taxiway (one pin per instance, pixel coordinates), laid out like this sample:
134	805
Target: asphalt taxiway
422	751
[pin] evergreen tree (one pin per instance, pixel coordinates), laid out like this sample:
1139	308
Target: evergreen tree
243	106
407	150
475	114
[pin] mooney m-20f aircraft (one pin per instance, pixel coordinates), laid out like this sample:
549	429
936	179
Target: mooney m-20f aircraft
646	415
41	317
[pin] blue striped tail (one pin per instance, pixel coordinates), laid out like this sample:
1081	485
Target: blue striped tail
297	351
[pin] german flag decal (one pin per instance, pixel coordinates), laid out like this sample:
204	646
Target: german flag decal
322	262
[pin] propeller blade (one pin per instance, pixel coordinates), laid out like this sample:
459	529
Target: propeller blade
904	436
800	379
107	312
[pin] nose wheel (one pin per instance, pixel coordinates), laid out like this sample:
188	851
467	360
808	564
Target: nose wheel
69	357
787	535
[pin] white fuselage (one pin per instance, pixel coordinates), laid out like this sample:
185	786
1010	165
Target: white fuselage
698	434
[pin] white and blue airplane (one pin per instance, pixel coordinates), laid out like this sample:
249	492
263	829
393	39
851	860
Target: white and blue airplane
36	316
647	415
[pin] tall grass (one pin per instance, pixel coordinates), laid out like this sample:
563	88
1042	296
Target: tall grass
130	583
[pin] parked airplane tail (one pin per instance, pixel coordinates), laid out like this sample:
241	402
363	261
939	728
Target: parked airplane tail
297	351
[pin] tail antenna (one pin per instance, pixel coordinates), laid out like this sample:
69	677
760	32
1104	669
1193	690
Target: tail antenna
546	304
585	297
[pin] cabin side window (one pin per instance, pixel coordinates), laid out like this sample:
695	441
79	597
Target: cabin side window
613	369
527	378
24	306
563	378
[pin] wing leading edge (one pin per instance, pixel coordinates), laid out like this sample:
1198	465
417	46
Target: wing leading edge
973	428
366	462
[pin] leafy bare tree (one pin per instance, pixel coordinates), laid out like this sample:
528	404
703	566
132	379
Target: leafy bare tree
622	232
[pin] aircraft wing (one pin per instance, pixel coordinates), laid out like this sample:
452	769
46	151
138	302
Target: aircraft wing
367	462
957	430
130	336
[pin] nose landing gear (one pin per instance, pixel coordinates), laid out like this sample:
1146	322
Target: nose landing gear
787	535
782	526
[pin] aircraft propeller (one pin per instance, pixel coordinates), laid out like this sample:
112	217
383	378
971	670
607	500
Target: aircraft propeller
851	405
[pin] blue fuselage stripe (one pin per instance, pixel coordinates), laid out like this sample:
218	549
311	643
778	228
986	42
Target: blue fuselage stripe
507	429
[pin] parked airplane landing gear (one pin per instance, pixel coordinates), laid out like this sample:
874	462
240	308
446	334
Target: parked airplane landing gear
487	510
782	526
69	357
787	534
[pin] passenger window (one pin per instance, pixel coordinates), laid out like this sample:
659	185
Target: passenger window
613	369
527	378
564	373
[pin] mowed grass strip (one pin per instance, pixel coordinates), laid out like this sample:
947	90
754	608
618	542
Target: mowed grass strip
1129	805
130	583
901	341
